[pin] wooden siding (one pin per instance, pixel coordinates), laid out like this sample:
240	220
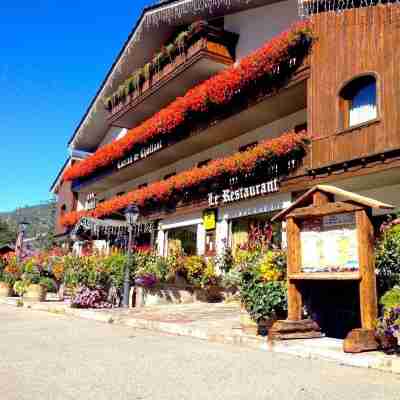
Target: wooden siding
351	43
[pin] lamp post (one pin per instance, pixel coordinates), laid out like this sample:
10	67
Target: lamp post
131	215
19	245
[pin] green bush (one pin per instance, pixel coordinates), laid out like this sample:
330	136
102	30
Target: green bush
264	299
387	255
49	284
391	298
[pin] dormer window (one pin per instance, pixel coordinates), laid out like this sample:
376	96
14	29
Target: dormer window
358	102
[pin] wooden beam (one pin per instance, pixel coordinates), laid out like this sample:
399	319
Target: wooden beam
321	198
332	276
327	209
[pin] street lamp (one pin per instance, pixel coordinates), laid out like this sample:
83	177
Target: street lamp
19	246
131	213
23	226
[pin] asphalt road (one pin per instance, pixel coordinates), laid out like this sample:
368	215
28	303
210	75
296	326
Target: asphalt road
54	357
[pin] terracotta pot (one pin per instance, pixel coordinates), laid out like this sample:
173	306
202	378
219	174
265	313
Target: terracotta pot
35	292
5	289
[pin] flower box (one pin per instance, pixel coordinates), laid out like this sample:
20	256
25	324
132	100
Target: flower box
36	292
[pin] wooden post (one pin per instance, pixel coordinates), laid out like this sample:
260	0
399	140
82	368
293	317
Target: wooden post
294	260
363	339
368	296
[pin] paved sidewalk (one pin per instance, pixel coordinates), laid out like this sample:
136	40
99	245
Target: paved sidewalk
219	323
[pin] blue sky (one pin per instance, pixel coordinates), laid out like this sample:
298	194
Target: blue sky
53	56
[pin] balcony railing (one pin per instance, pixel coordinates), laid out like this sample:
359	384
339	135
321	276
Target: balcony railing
310	7
202	53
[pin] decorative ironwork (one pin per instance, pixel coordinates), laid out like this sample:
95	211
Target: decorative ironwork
309	7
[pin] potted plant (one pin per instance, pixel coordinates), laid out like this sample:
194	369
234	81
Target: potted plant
20	287
37	289
388	326
6	284
211	283
262	288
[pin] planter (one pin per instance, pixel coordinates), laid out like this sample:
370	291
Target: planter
35	292
5	289
387	343
251	327
211	294
247	324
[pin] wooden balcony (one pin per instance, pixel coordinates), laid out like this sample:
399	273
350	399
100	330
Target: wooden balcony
211	50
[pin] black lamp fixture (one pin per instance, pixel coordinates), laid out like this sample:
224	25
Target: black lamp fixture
23	226
131	214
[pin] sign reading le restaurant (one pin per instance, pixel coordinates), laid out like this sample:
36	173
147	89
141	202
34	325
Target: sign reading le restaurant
143	153
243	193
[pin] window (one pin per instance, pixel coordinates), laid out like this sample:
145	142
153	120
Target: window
182	240
358	102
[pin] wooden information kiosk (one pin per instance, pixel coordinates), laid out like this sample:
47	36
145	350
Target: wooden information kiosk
330	240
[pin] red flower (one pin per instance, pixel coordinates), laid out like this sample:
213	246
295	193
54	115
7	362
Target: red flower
218	90
161	191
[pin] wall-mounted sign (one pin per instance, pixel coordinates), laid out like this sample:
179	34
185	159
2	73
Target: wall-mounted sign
143	153
209	219
243	193
90	202
329	244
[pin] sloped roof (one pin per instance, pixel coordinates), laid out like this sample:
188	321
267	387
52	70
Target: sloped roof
343	194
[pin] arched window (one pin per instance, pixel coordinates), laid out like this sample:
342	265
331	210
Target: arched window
358	101
63	209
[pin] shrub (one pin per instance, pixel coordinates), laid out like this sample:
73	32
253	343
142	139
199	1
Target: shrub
389	324
264	299
48	283
146	279
262	287
391	298
195	266
387	254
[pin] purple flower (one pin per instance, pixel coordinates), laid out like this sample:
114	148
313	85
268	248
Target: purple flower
146	280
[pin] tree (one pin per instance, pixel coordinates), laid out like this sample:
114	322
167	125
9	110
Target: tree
7	233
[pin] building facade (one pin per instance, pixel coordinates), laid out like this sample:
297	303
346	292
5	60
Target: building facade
245	106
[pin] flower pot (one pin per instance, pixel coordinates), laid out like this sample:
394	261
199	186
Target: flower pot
5	289
264	325
247	324
387	342
35	292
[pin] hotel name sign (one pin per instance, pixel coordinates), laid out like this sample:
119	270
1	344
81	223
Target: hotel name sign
243	193
143	153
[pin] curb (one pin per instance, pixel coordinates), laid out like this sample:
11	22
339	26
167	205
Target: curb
371	360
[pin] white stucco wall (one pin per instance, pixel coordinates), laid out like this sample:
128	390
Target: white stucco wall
258	25
113	134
